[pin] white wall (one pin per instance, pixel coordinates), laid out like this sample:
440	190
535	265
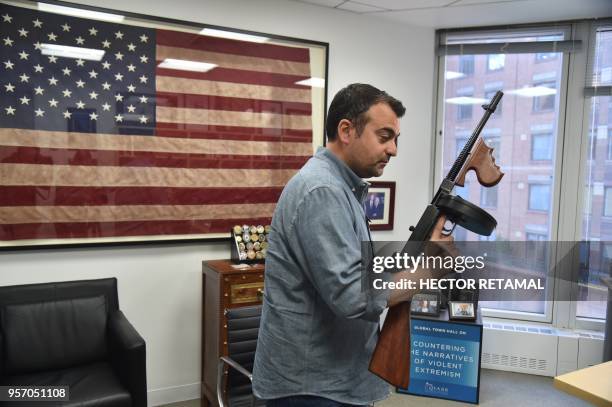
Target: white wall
160	286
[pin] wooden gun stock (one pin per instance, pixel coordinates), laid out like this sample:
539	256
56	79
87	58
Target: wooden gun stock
481	160
391	357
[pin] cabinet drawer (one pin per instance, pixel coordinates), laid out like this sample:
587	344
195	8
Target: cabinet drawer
246	292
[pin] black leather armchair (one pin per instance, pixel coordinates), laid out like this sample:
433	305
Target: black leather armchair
234	371
72	333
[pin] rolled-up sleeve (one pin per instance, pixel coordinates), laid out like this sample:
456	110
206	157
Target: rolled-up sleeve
331	249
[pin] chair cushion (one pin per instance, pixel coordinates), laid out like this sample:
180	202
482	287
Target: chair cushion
89	385
53	335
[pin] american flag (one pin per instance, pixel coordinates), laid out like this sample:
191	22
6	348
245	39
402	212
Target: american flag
121	146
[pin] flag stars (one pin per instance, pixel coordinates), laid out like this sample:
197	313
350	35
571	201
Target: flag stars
37	23
23	55
10	110
80	83
23	32
106	86
93	95
119	56
80	105
131	108
106	44
38	46
67	114
118	118
8	41
118	77
24	78
131	88
52	59
106	107
143	79
53	103
119	35
144	38
144	59
39	112
93	31
143	119
25	100
38	90
9	87
7	19
131	68
119	97
67	93
66	27
80	40
106	65
8	64
52	81
80	62
93	74
66	71
93	116
131	47
143	99
38	68
52	37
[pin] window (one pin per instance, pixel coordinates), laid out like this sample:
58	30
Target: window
546	56
466	64
542	146
495	62
539	197
597	199
464	105
535	237
607	208
544	100
539	144
488	197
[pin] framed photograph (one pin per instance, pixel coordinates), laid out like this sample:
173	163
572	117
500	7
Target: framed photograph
380	205
425	304
118	127
461	310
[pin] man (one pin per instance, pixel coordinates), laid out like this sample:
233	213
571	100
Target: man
318	326
373	206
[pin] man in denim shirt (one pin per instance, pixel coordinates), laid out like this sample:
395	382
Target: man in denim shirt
318	326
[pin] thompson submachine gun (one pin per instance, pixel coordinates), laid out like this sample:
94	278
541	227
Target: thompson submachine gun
391	358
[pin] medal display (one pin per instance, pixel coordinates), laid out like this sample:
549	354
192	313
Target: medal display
249	243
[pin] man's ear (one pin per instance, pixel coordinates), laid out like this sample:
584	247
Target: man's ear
344	131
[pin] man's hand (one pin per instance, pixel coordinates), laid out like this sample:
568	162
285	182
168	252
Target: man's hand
441	244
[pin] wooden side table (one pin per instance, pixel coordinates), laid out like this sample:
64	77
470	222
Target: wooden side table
593	384
224	286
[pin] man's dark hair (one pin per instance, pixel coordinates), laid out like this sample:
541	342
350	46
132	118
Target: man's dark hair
353	102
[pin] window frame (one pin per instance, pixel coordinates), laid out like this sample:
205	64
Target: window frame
549	316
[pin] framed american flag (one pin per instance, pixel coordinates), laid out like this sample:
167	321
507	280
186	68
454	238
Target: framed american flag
117	127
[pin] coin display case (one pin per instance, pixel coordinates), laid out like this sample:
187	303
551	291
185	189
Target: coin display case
249	243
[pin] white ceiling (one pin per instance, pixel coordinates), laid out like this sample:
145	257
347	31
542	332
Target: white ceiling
471	13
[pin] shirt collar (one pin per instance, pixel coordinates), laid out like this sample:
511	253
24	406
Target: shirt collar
354	182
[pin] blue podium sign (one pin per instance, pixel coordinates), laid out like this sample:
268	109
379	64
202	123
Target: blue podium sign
444	359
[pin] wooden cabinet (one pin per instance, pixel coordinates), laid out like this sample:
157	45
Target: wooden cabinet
224	286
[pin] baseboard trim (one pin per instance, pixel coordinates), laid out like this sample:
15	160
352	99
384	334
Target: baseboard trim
166	395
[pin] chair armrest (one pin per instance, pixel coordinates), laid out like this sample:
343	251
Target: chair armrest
223	360
128	357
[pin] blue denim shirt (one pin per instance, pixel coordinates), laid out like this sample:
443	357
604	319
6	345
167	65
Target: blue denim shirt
318	327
